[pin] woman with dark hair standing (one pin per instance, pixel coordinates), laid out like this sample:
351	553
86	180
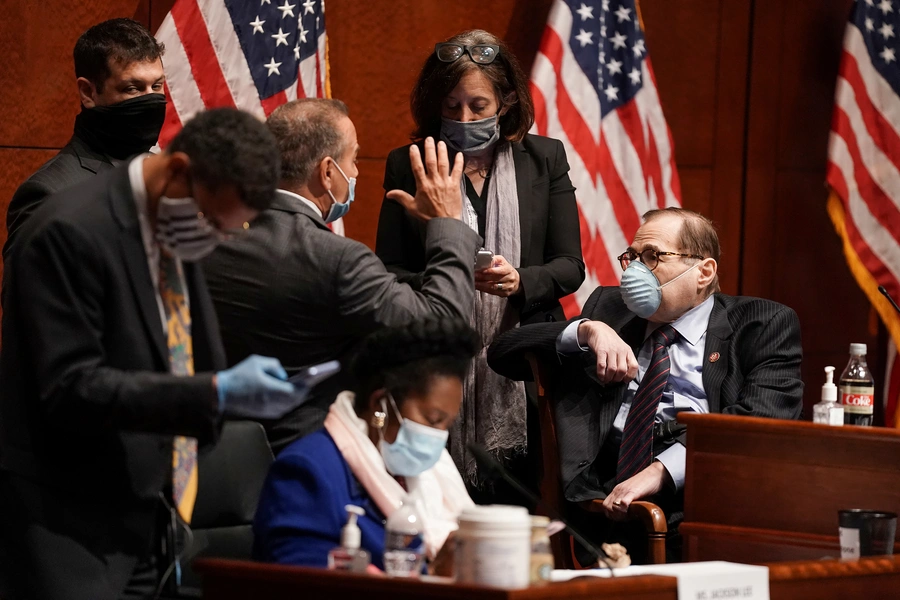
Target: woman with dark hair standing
473	96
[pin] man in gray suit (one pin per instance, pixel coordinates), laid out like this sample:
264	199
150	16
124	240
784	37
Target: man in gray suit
290	288
119	71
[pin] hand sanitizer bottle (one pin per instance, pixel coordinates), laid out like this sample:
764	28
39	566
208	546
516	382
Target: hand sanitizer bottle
349	556
828	411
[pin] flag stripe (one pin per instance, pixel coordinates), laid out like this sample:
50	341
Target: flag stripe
199	50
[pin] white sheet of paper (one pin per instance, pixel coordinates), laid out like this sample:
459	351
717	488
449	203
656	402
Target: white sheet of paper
714	580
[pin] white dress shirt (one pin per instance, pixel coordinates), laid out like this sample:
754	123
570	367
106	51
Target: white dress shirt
151	248
684	390
305	201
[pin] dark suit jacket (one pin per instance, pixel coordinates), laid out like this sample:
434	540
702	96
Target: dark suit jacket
757	373
292	289
550	266
75	163
87	405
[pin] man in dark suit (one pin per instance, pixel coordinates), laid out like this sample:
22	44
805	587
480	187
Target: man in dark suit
663	342
294	290
105	324
119	71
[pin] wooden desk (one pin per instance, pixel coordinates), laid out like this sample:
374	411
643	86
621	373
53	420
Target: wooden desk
815	580
759	490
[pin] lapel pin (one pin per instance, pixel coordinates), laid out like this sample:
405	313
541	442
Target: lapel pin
714	357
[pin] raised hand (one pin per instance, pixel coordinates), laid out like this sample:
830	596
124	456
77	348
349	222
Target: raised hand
437	186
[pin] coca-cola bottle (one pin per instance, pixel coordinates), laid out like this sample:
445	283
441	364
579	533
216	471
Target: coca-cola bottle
857	388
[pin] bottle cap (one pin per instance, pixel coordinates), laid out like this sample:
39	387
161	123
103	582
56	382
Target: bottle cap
857	348
350	534
829	390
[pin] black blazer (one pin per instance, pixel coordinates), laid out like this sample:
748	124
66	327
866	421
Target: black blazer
75	163
756	373
551	265
87	405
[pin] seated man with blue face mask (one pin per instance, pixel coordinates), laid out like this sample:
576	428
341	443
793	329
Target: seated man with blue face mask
664	341
380	442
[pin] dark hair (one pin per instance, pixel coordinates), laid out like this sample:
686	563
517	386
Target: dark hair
405	359
437	79
122	40
230	147
697	236
306	131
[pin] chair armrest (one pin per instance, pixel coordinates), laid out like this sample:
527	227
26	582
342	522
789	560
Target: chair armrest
652	516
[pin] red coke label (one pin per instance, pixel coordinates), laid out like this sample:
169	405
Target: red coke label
858	401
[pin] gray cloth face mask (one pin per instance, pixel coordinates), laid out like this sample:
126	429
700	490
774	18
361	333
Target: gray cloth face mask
471	137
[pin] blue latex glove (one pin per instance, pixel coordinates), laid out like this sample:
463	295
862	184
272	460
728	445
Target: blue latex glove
255	388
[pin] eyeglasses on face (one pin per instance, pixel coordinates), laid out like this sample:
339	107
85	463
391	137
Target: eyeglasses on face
650	257
483	54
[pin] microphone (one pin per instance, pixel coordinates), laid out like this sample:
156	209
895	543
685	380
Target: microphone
492	466
888	296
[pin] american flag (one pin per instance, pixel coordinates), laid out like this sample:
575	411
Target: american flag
254	55
594	89
864	163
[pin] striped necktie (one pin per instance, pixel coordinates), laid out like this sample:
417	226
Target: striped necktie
181	362
636	449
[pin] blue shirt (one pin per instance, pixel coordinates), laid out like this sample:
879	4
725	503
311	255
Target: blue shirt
684	390
301	508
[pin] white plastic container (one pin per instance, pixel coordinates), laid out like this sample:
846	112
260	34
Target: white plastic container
493	546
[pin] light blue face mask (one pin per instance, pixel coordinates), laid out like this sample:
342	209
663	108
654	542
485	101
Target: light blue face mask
337	209
641	290
470	137
416	449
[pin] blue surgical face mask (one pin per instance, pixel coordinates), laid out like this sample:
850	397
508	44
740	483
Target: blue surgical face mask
470	137
641	290
416	449
337	209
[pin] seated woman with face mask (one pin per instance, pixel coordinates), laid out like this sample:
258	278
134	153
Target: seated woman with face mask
380	442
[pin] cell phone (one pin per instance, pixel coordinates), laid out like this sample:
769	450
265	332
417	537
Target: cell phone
483	260
316	374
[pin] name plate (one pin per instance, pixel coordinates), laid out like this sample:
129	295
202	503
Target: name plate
714	580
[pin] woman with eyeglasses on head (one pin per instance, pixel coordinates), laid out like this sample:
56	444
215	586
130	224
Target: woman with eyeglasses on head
382	441
473	96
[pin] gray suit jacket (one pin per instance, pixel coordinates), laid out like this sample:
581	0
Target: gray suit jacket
292	289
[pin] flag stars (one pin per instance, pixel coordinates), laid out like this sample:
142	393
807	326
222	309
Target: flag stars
280	38
618	40
257	25
885	6
605	6
302	32
870	26
888	55
264	2
286	9
614	66
603	31
612	93
639	48
635	77
886	31
309	7
272	66
586	12
584	37
622	14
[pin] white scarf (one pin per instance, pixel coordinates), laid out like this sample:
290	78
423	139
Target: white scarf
439	492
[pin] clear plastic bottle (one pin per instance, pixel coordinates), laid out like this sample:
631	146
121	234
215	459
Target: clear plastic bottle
541	552
349	556
857	388
404	542
828	411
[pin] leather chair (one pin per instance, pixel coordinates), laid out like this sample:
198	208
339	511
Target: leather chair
231	479
652	517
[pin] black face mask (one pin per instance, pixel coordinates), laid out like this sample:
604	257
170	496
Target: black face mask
123	129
